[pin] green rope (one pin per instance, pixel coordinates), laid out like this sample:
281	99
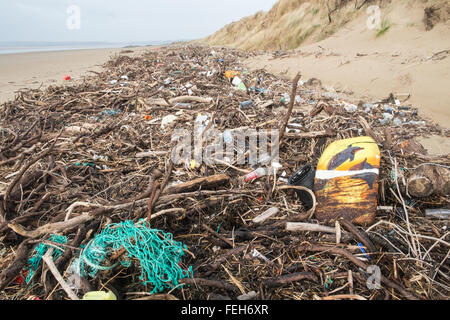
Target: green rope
41	249
158	254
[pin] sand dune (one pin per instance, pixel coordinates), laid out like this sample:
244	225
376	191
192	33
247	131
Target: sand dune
402	61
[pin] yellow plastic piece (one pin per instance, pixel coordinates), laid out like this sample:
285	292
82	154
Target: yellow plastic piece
230	74
343	155
99	295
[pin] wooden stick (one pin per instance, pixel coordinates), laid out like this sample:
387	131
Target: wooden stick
311	211
344	296
25	168
155	197
311	135
209	283
203	183
57	226
10	273
359	263
300	226
49	261
287	279
368	130
291	106
161	102
360	235
217	235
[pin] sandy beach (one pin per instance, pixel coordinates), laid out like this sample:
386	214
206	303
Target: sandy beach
41	69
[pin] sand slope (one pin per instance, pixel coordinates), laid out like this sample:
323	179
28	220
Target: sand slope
406	59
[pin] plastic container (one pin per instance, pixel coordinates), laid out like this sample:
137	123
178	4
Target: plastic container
230	74
387	117
183	105
438	213
397	122
417	123
350	107
247	104
304	178
285	98
99	295
258	173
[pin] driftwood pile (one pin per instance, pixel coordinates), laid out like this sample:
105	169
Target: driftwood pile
76	158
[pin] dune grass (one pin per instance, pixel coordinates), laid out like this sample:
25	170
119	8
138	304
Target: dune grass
385	26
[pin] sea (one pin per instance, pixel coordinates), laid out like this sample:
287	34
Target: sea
24	47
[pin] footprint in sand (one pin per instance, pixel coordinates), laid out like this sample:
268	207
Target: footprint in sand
405	79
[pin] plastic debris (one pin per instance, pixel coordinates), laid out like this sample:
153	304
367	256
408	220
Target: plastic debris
258	173
167	120
99	295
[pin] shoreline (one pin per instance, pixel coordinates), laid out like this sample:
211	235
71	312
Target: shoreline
41	69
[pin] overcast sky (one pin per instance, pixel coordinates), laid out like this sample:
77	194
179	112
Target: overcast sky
120	20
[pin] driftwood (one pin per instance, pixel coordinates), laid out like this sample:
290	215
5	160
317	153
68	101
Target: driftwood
162	102
363	122
359	234
209	283
111	165
288	279
311	135
359	263
291	106
200	183
47	258
429	179
299	226
57	226
16	266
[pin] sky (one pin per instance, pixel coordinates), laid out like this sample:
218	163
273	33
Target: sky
119	20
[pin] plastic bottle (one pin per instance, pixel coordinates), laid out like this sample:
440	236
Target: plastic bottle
246	104
397	122
183	105
285	98
438	213
417	123
258	173
350	107
387	108
387	117
236	81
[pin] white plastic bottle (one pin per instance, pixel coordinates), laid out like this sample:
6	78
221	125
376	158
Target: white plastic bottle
258	173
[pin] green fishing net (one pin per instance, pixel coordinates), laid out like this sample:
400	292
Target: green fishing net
158	254
40	250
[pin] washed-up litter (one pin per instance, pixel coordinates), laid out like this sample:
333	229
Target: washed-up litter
87	167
